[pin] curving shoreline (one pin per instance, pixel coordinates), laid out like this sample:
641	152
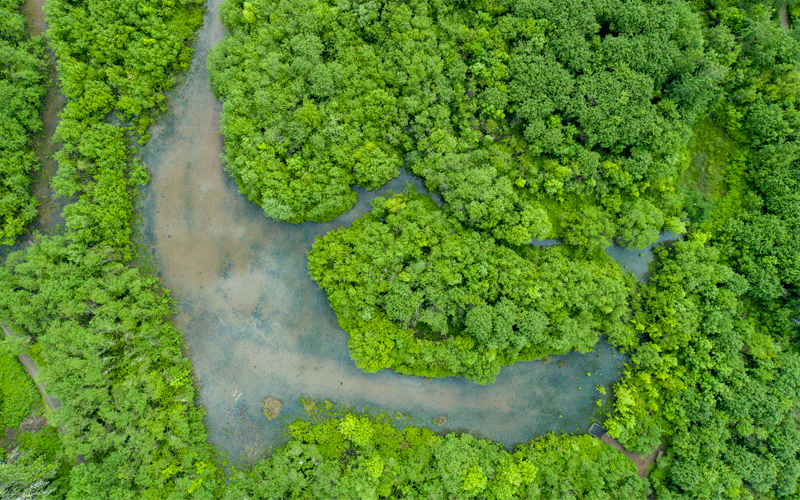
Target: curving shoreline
256	323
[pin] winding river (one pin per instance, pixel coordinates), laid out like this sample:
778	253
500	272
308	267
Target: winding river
257	326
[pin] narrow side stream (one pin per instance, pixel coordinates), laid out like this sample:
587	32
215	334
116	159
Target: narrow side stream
49	219
50	205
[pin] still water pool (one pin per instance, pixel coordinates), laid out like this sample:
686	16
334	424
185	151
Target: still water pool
257	326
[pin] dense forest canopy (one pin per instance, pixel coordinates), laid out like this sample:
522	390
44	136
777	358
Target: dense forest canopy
340	454
588	121
421	294
505	109
529	119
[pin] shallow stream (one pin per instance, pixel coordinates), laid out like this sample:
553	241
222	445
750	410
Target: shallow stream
257	325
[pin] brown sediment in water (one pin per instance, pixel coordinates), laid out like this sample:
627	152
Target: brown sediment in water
32	10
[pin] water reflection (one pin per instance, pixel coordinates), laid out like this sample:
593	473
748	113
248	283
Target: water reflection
257	326
638	261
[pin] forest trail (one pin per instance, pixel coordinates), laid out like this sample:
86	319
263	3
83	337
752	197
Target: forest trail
784	15
642	462
33	369
49	204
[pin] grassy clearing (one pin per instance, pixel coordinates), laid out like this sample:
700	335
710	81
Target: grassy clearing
18	394
713	181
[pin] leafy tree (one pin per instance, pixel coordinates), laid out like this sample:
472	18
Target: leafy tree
476	100
591	228
23	477
111	356
640	224
319	460
102	325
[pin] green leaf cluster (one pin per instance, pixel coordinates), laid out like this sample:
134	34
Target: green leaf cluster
717	377
102	325
18	394
35	468
761	110
330	457
116	63
500	107
116	362
720	392
421	294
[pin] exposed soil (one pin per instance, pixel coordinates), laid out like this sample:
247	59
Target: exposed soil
784	15
8	441
643	462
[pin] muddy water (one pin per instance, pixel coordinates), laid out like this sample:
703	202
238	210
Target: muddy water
637	261
257	326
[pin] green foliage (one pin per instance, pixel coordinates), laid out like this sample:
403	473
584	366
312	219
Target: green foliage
23	77
140	47
322	460
498	108
24	475
309	108
520	114
420	294
722	393
760	110
640	225
18	394
591	227
717	377
114	60
35	466
108	348
691	284
580	467
113	358
713	183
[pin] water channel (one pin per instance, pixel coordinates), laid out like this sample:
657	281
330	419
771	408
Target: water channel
48	220
257	326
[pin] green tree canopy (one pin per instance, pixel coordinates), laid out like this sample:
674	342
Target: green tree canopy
419	293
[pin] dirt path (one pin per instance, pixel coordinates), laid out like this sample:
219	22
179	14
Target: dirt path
642	462
32	369
784	17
